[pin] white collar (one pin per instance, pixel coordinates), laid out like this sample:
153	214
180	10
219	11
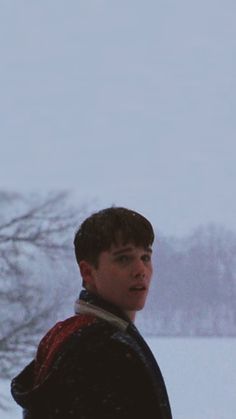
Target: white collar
84	307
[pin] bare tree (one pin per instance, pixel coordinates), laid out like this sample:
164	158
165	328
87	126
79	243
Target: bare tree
35	246
43	225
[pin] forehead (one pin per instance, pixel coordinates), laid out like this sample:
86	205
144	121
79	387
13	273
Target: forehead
127	247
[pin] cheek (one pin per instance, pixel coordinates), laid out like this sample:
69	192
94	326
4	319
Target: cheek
150	273
105	279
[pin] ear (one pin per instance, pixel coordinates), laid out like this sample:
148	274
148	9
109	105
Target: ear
87	273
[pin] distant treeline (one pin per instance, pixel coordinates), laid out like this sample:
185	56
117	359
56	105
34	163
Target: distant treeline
194	287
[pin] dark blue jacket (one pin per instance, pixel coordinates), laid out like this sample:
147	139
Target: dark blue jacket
92	365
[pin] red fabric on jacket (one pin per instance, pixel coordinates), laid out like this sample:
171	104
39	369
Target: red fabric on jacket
54	339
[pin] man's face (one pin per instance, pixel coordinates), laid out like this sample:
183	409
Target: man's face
123	277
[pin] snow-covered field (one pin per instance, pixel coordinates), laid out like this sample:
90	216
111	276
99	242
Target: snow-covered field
200	375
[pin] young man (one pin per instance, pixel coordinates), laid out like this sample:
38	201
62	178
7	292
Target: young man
96	364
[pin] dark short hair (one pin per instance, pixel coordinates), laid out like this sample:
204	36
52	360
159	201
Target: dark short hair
111	226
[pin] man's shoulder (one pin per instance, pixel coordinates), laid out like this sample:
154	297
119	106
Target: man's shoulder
101	341
62	331
97	334
99	348
84	338
55	339
95	339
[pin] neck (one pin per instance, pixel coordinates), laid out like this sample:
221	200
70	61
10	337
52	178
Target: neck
94	298
131	315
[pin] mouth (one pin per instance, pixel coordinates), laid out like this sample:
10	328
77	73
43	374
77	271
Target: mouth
137	288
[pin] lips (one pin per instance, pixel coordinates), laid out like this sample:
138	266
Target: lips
137	288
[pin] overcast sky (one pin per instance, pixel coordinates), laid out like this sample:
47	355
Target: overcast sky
123	102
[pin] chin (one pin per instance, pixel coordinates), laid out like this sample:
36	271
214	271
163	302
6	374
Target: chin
140	307
137	307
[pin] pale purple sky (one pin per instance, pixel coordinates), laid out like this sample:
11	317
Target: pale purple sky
122	102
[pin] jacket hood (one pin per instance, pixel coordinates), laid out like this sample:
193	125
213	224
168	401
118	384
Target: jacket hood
23	388
27	387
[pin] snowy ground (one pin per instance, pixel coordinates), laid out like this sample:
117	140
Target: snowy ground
200	375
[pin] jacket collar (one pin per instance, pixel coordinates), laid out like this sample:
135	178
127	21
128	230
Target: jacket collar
89	303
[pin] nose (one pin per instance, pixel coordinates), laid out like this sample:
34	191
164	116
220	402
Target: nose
139	269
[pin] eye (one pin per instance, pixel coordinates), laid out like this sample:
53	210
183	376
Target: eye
123	258
146	258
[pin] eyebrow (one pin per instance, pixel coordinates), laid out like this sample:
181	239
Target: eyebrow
128	249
